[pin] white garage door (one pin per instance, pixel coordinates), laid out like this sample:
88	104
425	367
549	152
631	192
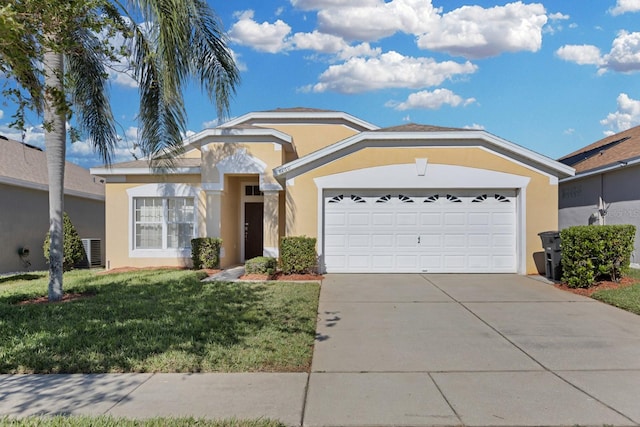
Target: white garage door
444	231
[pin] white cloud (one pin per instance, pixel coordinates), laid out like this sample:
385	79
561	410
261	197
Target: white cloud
627	115
474	126
580	54
569	131
322	4
265	37
430	100
625	53
330	44
33	135
624	56
476	32
373	20
1	114
558	16
120	70
389	70
624	6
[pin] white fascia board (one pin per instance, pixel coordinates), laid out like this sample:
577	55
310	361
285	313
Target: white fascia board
102	171
299	116
599	171
393	137
222	135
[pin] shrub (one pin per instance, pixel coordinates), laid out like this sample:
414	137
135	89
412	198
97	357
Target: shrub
205	252
591	253
298	255
72	245
261	265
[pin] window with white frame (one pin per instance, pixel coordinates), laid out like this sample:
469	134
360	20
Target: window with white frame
163	222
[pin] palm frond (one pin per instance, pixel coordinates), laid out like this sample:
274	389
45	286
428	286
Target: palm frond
89	93
211	60
162	116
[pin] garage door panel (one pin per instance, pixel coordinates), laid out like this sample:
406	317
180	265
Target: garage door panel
455	241
382	219
359	241
502	218
407	261
335	218
420	231
454	218
454	262
431	219
356	219
407	219
478	262
382	241
406	240
479	241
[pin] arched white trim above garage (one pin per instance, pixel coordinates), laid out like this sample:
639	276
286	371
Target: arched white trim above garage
415	176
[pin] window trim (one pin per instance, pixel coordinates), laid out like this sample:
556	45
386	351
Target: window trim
163	191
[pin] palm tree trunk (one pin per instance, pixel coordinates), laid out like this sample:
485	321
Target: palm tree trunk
55	145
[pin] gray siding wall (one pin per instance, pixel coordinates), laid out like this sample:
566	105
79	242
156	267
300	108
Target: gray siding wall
620	191
24	221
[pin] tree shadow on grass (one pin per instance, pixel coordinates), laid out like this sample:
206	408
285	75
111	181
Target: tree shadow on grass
22	276
170	326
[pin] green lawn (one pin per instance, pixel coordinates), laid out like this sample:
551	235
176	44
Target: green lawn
106	421
627	298
156	321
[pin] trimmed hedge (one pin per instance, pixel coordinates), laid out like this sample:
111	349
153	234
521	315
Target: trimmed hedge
261	265
298	255
595	252
71	245
205	252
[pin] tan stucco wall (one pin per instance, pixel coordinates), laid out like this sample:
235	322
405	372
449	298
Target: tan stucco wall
542	197
309	138
117	222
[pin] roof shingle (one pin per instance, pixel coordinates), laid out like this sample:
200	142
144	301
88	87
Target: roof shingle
21	163
607	151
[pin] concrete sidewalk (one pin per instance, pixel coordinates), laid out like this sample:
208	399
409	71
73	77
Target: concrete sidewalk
416	350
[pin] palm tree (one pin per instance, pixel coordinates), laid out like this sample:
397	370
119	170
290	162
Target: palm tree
57	52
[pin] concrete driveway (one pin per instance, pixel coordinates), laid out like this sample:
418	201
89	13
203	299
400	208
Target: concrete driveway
477	350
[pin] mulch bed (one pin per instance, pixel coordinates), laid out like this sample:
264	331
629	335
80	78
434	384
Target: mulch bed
66	297
624	282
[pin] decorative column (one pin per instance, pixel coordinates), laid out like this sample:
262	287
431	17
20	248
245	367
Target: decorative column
271	230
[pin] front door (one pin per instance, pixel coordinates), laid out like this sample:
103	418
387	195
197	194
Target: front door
253	230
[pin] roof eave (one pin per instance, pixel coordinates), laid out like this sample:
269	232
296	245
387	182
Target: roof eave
106	171
300	116
604	169
545	163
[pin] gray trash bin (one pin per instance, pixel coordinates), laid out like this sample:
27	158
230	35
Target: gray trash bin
552	254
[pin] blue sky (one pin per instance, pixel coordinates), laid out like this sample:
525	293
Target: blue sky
551	76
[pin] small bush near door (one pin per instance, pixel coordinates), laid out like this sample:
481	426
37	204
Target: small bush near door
298	255
261	265
205	252
595	252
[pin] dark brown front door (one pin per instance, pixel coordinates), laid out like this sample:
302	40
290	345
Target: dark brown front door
253	228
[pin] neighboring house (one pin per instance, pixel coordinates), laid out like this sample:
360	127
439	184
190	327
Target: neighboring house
24	205
410	198
605	188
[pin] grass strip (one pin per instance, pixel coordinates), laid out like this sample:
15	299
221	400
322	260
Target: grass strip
156	321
